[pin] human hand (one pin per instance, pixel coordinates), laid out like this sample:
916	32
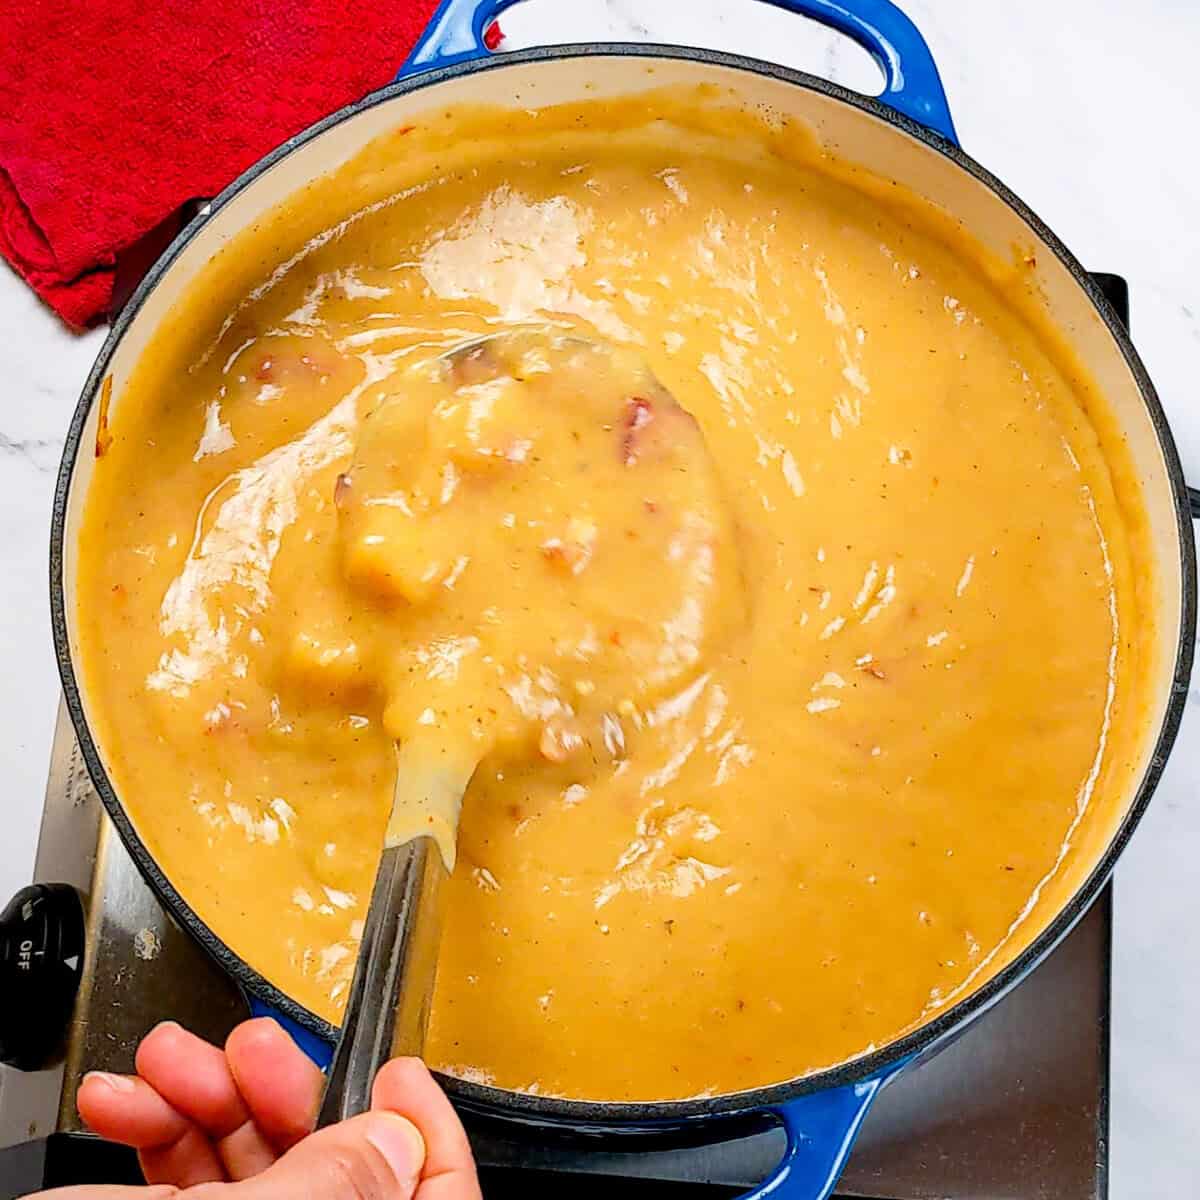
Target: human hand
237	1125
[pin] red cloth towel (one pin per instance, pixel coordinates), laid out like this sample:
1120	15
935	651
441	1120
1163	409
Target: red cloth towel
113	113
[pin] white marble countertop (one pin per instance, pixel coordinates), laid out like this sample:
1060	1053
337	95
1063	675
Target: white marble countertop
1085	108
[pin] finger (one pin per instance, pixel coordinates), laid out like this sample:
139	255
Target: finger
190	1160
194	1077
128	1110
279	1083
405	1086
375	1156
106	1192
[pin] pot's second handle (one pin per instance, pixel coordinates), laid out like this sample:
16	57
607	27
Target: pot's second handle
912	86
1194	502
821	1129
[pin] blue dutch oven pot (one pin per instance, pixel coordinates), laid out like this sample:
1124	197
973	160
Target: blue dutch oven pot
905	134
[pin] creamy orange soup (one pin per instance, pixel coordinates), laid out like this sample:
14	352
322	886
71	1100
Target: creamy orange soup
615	578
871	786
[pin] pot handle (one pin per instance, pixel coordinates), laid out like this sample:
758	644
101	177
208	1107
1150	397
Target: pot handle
820	1129
1194	502
457	33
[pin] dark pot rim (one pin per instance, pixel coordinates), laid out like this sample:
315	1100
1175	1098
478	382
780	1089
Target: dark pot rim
596	1115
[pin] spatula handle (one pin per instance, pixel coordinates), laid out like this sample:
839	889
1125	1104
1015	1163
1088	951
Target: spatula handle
387	1011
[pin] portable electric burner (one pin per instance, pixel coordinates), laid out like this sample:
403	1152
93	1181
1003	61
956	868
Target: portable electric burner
1016	1108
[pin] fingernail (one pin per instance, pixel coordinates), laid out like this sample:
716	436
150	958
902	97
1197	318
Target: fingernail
118	1083
400	1143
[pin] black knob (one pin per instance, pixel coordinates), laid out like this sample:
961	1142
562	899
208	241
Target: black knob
41	961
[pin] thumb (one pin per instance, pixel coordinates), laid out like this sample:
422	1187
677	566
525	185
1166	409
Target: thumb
375	1156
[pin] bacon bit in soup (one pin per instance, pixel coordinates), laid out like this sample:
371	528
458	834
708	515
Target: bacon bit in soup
103	433
561	554
341	490
639	412
870	666
574	551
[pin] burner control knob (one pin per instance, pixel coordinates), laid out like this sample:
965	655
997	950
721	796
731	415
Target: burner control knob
41	960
